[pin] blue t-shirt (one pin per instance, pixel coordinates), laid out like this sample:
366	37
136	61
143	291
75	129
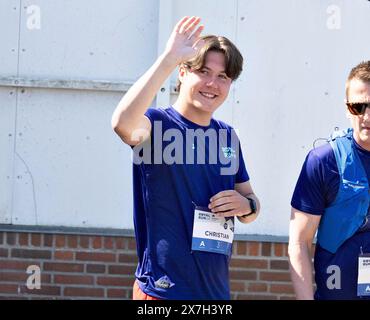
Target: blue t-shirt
165	195
316	190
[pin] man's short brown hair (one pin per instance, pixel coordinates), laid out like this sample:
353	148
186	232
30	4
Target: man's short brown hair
360	72
233	57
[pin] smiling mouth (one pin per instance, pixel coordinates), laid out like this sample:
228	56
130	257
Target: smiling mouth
208	95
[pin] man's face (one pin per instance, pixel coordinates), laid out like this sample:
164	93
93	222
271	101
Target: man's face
359	91
206	89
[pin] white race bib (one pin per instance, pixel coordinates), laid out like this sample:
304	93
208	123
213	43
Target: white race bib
212	233
363	282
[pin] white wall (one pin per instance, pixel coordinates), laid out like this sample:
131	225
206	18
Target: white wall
60	162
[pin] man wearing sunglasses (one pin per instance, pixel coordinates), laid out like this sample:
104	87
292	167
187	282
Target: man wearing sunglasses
332	197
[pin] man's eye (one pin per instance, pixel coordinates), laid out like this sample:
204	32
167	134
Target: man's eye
222	76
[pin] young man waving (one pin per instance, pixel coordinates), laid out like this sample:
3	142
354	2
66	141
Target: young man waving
190	180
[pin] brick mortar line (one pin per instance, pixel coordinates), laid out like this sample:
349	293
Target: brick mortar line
73	249
247	256
258	269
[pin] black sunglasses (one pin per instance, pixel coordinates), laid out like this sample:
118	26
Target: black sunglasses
357	108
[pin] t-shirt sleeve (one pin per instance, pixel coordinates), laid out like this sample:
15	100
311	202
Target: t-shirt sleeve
318	182
242	173
159	120
154	114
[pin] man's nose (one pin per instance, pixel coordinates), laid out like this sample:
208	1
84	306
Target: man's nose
212	82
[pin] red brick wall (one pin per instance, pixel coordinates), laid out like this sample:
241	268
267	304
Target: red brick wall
260	271
102	267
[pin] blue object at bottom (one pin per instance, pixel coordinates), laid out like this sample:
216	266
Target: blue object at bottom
363	289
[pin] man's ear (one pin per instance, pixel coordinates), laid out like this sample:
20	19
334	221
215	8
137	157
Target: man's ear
348	114
182	72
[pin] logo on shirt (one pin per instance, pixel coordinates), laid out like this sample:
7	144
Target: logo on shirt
228	152
164	283
354	185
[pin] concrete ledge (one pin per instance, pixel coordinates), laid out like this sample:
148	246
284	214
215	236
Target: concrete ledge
70	84
67	230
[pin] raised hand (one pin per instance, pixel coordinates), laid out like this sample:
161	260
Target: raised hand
184	42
